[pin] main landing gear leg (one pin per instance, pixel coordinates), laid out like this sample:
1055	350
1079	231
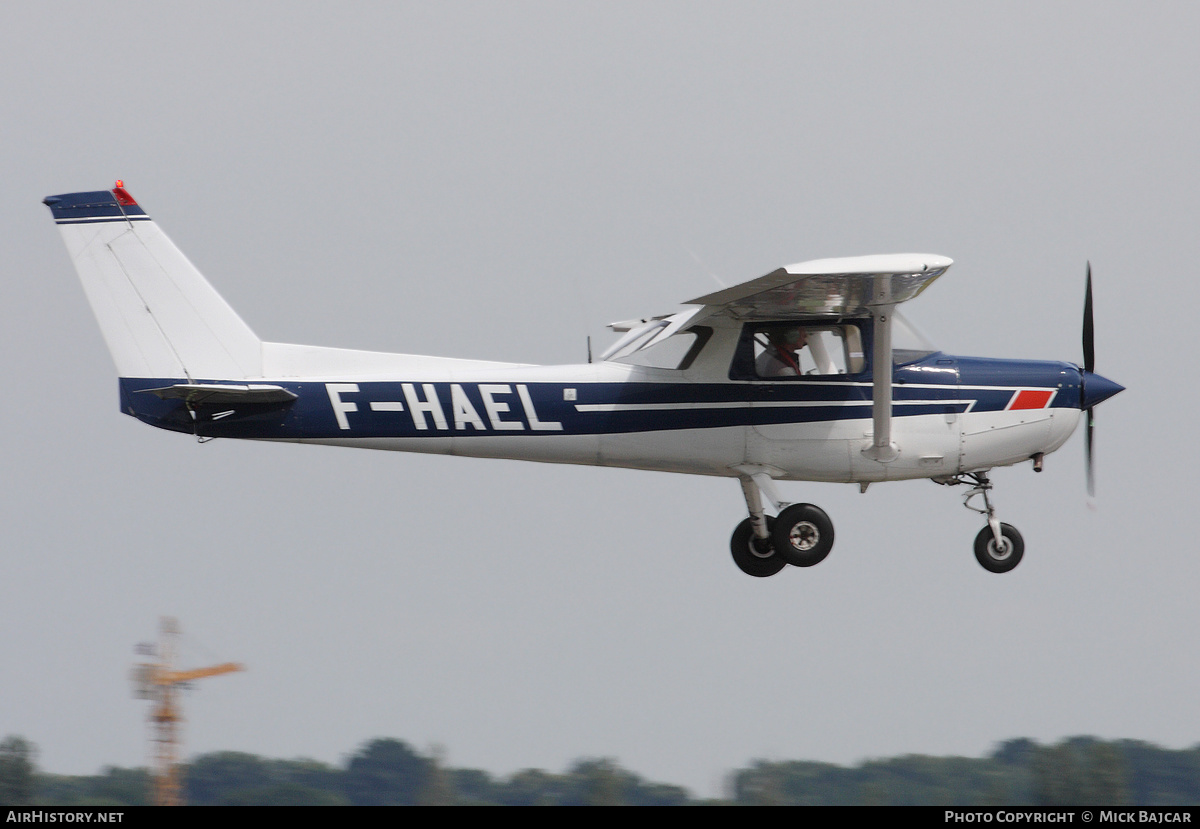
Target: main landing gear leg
998	547
758	518
802	535
751	545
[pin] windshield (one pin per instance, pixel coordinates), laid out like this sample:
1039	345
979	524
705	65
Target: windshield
908	343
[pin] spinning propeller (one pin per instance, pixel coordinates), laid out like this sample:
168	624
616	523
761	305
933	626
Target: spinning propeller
1093	388
1089	365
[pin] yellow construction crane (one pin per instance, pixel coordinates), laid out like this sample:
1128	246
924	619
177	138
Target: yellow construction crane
160	683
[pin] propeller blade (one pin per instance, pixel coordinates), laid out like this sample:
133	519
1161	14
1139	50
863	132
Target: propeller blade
1089	339
1090	456
1089	366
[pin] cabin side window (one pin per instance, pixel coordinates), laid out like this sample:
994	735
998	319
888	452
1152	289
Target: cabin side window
676	351
787	350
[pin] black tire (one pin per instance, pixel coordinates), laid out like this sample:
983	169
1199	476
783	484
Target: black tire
999	561
748	554
803	535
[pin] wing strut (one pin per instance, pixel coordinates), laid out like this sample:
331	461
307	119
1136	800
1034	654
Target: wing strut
882	304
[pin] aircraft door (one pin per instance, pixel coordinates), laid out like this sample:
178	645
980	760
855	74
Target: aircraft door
803	395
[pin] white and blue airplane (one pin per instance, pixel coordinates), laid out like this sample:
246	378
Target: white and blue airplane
775	379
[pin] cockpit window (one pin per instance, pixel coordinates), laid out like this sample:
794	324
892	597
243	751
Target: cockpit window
782	350
908	343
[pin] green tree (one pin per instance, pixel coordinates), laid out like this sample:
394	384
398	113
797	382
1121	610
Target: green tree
17	756
1081	771
1160	776
1105	783
533	787
1018	752
128	787
1055	777
659	794
283	794
473	787
210	778
310	774
599	782
386	773
759	785
438	788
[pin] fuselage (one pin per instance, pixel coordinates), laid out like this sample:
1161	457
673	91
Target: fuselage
950	414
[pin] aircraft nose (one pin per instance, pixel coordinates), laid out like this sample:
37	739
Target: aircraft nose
1095	389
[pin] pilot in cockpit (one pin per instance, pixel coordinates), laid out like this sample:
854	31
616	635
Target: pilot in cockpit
781	357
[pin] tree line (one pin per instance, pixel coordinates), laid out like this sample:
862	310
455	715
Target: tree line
1020	772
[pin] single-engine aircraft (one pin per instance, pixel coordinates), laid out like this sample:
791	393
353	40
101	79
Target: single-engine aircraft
809	373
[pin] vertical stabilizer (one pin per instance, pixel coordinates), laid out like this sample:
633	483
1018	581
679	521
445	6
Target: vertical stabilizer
159	316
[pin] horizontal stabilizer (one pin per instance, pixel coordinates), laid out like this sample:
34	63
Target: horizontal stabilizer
213	393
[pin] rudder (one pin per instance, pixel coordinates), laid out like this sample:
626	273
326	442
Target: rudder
160	317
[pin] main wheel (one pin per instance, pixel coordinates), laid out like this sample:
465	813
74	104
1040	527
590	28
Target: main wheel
803	535
999	559
754	556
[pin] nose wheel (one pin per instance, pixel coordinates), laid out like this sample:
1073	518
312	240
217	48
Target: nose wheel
998	547
1003	556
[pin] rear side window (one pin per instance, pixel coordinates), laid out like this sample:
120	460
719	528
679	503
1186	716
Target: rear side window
677	351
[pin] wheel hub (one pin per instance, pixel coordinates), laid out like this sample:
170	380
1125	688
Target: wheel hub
1001	551
761	548
804	536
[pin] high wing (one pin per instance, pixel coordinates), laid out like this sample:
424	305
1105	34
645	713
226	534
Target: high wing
848	287
852	286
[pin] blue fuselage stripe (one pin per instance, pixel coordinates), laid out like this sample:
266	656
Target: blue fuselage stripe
468	409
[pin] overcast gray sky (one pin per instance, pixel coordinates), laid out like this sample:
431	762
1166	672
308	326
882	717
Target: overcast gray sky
380	174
